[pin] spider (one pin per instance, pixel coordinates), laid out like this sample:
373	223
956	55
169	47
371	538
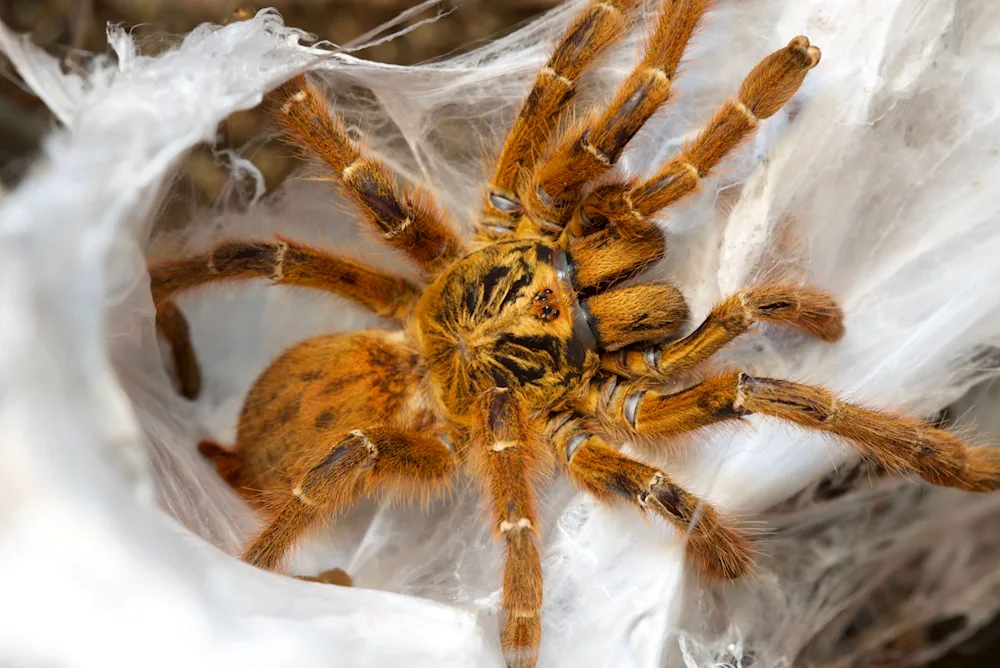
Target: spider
527	347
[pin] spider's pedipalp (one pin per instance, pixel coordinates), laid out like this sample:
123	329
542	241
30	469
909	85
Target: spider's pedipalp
716	548
406	220
806	309
626	315
507	458
594	146
897	442
599	24
616	253
362	462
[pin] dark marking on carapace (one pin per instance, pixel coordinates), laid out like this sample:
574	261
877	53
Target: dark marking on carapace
543	254
547	343
523	375
516	288
491	280
471	298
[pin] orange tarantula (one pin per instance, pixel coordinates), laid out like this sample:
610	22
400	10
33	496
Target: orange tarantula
523	348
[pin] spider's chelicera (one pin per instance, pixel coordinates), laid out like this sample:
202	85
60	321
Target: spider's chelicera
523	349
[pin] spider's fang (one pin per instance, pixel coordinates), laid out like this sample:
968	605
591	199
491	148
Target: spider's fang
631	407
574	443
584	331
653	356
505	203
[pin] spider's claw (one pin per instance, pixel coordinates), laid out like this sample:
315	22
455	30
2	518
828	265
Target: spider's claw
801	43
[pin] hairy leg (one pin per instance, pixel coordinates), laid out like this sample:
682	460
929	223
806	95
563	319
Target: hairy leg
593	147
377	459
716	548
507	456
809	310
599	24
172	324
286	262
406	219
897	442
764	91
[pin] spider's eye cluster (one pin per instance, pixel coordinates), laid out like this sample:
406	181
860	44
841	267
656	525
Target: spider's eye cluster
545	306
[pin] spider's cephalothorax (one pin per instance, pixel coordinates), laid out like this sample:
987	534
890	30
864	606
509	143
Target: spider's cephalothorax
524	349
507	316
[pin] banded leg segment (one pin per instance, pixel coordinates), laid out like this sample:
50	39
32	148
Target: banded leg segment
716	548
405	219
897	442
286	262
507	457
803	308
361	463
599	24
594	146
765	90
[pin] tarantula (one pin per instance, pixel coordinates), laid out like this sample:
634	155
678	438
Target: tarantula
523	348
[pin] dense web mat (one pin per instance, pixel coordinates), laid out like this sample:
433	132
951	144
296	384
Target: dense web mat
877	183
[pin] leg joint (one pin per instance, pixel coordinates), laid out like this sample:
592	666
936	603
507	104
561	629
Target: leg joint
519	524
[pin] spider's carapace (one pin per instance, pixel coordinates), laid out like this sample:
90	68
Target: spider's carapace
505	316
524	349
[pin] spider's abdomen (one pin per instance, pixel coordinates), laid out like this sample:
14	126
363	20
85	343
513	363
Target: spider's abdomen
505	316
319	390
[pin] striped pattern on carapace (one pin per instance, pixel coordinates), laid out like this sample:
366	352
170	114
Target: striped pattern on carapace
523	350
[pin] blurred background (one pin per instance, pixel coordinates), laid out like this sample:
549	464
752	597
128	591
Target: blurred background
73	30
